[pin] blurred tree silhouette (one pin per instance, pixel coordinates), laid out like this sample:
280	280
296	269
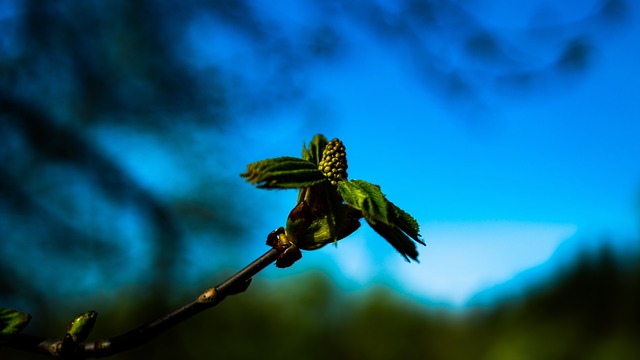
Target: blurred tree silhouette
81	81
588	312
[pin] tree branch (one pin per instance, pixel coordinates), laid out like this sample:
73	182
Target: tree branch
235	284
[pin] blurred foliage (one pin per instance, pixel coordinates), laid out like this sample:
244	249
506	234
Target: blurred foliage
589	311
71	73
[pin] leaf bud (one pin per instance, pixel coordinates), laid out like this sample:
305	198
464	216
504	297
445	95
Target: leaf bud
334	161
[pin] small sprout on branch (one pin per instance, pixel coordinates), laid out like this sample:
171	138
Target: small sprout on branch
12	322
329	206
80	328
77	332
288	252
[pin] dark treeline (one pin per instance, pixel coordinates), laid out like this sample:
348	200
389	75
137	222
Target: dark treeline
587	311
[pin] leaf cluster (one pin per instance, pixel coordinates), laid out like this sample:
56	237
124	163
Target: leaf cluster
330	210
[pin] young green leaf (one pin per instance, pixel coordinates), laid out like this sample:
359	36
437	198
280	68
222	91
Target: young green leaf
399	240
367	198
388	220
406	223
12	322
316	147
284	173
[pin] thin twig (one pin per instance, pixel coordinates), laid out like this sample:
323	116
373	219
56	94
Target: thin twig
235	284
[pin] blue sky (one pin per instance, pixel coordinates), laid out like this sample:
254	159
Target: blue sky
498	181
525	160
497	186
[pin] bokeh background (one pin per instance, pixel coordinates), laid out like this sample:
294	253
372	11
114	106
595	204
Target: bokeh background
509	129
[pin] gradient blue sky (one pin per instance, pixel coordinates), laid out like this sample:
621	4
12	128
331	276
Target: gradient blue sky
498	180
497	186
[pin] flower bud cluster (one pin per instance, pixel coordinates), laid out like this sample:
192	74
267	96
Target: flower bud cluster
334	161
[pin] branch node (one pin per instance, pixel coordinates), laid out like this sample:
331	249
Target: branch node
208	296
